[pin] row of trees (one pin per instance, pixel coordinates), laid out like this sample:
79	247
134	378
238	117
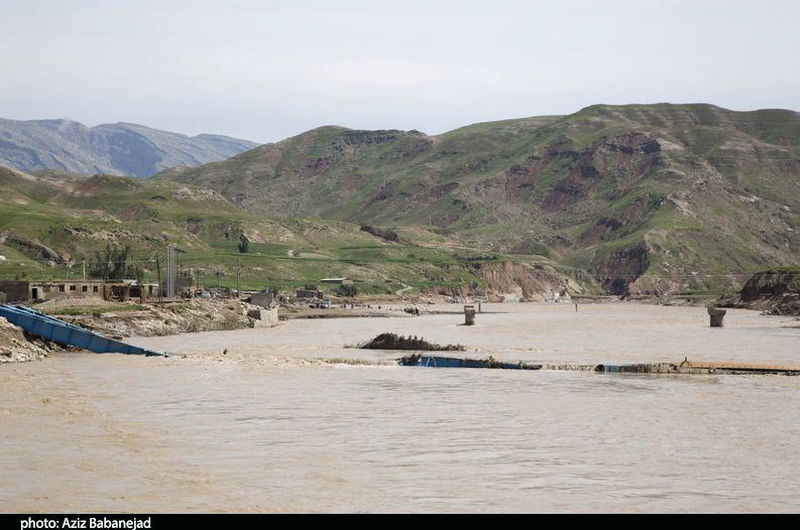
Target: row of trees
114	263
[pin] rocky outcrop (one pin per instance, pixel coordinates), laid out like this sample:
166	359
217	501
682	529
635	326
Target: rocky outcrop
385	234
30	247
623	268
774	291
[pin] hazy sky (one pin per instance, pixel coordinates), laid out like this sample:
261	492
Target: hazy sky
267	70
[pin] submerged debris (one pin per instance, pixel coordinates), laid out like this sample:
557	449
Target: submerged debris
391	341
684	367
452	362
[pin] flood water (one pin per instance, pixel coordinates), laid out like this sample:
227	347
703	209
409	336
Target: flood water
266	428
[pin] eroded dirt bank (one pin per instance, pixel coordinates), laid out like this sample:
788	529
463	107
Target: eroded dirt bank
118	320
775	292
16	347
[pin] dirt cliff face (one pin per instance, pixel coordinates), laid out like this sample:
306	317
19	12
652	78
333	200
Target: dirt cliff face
622	269
509	282
775	291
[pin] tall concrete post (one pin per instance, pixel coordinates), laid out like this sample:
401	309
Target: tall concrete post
170	271
716	315
469	315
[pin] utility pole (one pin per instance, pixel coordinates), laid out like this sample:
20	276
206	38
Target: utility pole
158	272
170	271
238	278
84	269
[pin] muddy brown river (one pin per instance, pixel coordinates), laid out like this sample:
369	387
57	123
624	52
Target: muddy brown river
267	427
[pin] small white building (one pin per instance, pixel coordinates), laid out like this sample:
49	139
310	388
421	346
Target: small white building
337	281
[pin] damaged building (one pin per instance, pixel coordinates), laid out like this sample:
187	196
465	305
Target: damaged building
28	290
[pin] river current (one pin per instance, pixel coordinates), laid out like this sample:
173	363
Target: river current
267	426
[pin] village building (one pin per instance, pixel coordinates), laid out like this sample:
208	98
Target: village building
27	290
308	293
262	299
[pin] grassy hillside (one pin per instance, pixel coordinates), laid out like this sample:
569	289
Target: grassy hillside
50	224
649	198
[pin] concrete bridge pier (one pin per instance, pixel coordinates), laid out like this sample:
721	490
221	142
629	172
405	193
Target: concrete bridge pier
716	314
469	315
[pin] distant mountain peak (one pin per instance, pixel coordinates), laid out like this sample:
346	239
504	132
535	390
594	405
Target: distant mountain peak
120	148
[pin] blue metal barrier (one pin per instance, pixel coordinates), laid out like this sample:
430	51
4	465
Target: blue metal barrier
50	328
436	361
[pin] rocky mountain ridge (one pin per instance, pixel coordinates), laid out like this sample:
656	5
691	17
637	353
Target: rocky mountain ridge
116	149
648	198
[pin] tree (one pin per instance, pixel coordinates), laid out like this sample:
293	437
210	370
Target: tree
346	290
115	263
243	244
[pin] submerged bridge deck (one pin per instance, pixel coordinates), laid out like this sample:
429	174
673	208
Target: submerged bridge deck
684	367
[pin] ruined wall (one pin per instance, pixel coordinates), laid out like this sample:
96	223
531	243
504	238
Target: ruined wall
262	299
15	291
264	317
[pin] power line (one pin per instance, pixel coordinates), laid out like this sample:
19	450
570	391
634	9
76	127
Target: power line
210	257
72	263
153	262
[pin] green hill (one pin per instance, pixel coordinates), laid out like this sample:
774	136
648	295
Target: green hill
51	223
647	198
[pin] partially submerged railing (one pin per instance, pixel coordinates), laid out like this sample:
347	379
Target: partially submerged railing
684	367
436	361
